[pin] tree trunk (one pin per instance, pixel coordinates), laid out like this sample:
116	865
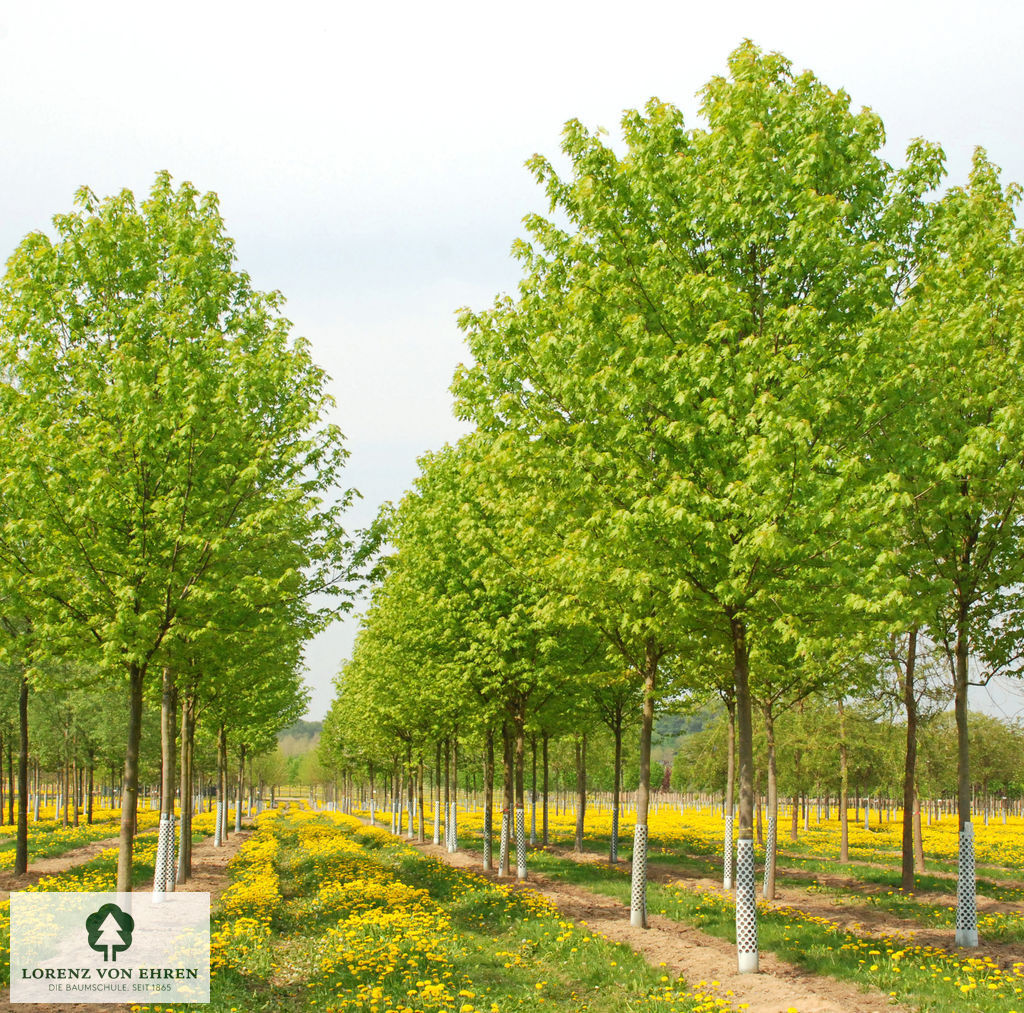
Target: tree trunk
844	788
488	796
729	805
519	822
411	797
581	790
92	786
746	904
918	841
163	874
768	888
420	827
10	784
241	788
967	902
130	787
909	760
21	847
613	848
544	760
638	890
504	867
188	727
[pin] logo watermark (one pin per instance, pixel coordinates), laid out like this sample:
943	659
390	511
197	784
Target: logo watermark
110	947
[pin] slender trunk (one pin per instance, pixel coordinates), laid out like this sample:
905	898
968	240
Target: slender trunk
613	849
844	788
504	868
21	847
130	789
918	842
10	783
581	790
519	827
488	798
544	760
447	794
163	874
218	794
730	794
91	788
241	788
533	790
638	890
967	904
411	797
420	828
188	726
746	906
768	887
909	760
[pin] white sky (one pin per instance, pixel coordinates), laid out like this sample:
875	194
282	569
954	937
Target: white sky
369	157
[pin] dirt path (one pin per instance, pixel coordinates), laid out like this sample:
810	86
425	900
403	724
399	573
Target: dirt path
52	866
209	875
847	913
696	956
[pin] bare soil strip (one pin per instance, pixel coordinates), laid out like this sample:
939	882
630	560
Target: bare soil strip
696	956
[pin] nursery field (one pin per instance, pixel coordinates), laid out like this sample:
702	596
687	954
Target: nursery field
324	912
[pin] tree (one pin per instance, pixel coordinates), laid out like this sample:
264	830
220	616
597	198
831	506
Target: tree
957	346
158	419
696	344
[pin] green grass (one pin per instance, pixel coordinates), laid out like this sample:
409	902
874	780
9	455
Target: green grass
503	950
924	978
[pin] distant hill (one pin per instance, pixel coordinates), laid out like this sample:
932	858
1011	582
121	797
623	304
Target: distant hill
670	730
301	737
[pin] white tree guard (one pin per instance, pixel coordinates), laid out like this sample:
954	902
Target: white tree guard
769	854
410	833
638	890
218	833
727	880
520	844
238	816
867	814
35	809
966	898
487	840
533	819
746	908
454	817
613	853
437	821
165	869
503	853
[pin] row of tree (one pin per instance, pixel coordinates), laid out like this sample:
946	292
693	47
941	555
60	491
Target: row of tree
750	429
168	486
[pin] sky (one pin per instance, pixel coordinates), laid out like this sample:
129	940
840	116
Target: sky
369	158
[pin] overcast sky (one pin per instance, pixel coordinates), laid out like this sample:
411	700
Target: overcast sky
369	157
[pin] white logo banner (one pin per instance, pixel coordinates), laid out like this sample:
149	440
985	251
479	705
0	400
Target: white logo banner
110	947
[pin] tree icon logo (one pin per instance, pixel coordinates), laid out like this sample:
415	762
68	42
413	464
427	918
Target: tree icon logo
110	930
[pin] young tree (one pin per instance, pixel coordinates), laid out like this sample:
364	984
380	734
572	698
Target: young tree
157	417
696	344
957	346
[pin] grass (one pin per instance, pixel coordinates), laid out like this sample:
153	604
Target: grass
366	923
924	977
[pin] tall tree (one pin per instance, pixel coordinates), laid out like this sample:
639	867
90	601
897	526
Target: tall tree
158	417
695	343
957	346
